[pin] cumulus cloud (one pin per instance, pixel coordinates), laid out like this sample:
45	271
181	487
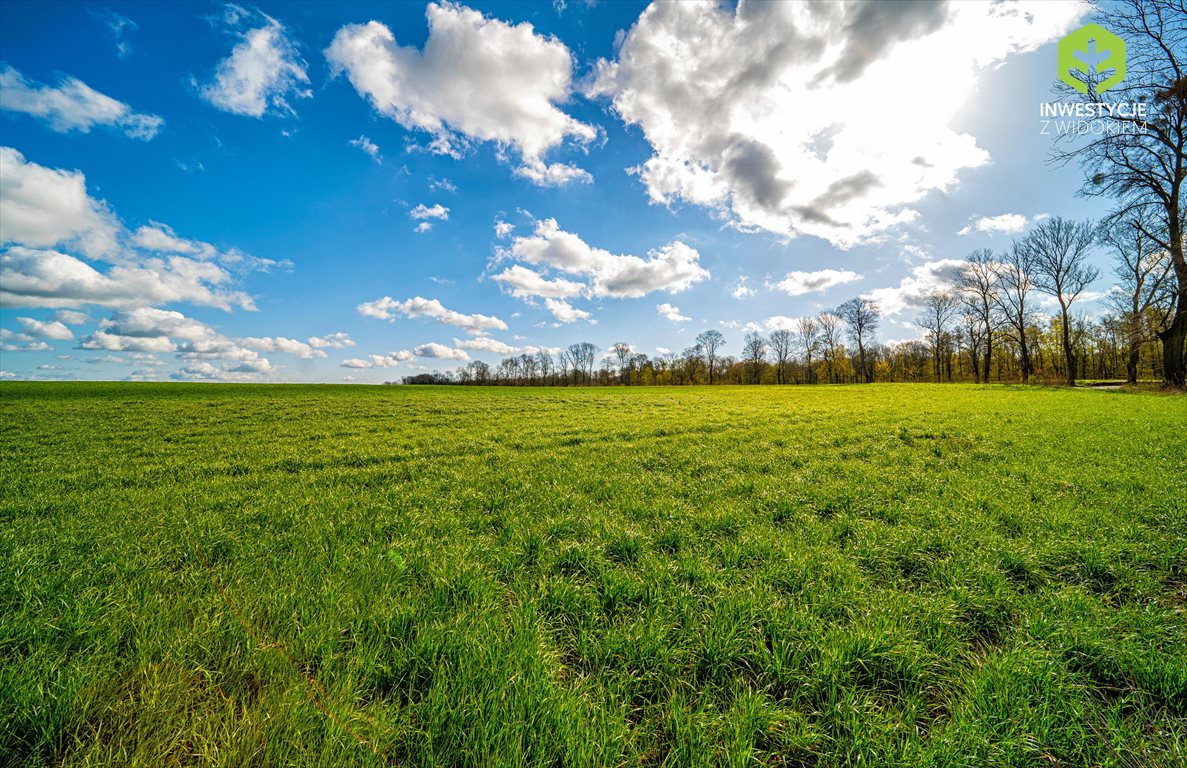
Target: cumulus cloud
336	340
423	213
820	119
46	207
44	278
71	317
264	70
496	347
47	216
673	268
13	341
564	312
45	329
911	290
476	80
73	105
294	347
356	362
388	308
741	290
800	283
672	313
440	351
503	229
525	283
1008	223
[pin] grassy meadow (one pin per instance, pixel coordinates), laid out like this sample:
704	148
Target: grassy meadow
885	575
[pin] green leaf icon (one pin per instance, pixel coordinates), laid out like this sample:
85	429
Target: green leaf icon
1086	54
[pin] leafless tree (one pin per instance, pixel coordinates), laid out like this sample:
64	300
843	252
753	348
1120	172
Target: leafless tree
830	340
710	343
861	318
622	352
781	343
809	333
754	348
1142	160
1145	294
1014	272
939	307
1059	252
977	286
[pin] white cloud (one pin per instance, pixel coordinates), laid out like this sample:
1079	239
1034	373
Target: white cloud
800	283
281	344
355	362
524	283
662	351
742	290
672	268
35	278
565	312
13	341
486	344
45	207
264	70
436	211
368	146
337	340
46	329
476	80
1009	223
911	290
73	106
503	229
672	313
820	119
392	359
440	351
387	308
71	317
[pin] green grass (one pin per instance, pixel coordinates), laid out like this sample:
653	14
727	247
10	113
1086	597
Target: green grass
885	575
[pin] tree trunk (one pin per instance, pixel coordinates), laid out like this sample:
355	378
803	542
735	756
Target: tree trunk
1174	364
1131	365
1068	358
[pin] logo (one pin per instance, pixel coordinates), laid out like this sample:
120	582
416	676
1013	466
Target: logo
1089	52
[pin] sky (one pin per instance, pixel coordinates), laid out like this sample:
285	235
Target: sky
350	191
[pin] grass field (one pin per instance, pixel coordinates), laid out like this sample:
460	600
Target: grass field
310	575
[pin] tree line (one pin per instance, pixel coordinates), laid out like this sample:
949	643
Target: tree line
989	326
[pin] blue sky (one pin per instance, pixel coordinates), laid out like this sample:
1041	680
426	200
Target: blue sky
237	191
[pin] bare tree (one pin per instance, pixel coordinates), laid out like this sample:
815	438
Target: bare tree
830	339
861	317
1014	271
1145	294
939	307
1059	251
977	285
622	352
781	342
710	343
809	333
754	348
1142	159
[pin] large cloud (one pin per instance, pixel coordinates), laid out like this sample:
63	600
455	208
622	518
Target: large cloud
800	283
388	308
263	71
72	106
477	79
45	207
672	268
63	248
824	119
